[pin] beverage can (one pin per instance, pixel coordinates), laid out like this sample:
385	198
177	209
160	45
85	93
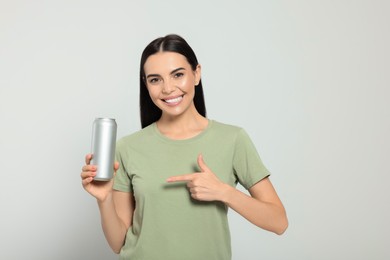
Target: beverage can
103	147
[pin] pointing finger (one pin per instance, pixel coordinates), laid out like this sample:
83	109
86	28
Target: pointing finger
184	177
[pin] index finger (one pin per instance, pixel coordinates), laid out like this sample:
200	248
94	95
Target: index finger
184	177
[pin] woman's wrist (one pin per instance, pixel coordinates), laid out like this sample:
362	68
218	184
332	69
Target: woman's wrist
226	193
105	199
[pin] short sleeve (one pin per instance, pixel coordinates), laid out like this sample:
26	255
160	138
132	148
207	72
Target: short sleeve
248	167
122	181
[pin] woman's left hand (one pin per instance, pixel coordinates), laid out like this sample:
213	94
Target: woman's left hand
203	185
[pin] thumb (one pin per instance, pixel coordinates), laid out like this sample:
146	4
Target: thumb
202	164
116	166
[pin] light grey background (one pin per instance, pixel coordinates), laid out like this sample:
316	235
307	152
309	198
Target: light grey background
309	81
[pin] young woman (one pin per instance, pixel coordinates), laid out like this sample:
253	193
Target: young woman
175	179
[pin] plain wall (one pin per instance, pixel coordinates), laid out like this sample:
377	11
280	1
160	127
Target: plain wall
308	80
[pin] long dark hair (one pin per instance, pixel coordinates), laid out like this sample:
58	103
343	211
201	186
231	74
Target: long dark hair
149	112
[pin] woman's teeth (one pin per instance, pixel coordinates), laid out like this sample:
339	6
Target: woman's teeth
173	100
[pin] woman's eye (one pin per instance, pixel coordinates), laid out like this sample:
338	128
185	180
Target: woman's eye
179	74
153	80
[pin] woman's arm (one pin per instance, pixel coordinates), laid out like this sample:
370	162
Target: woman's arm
116	213
116	207
263	208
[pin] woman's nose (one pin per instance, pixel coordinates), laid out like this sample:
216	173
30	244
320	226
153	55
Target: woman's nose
168	87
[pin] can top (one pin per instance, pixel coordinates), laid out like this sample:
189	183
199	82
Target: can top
105	118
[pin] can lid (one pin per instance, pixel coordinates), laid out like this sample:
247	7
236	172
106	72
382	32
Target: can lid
105	118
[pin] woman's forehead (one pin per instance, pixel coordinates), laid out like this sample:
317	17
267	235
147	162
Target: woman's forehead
165	62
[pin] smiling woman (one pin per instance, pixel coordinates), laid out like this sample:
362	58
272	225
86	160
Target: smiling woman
184	55
170	82
165	201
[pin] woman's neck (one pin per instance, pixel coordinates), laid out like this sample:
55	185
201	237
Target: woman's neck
182	127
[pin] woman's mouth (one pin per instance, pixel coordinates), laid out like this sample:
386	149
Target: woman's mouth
173	101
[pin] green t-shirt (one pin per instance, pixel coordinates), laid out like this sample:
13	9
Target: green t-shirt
167	223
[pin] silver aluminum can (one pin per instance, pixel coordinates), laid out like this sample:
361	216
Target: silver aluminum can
103	147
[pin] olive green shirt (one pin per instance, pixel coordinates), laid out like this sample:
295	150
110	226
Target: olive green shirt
167	223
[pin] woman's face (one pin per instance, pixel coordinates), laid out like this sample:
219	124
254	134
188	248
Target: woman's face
171	82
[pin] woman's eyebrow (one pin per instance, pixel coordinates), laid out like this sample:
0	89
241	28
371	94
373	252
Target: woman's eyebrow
152	75
176	70
158	75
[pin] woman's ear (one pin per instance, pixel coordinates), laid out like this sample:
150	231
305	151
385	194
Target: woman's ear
198	72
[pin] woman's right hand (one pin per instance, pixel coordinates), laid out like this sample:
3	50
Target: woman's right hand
99	189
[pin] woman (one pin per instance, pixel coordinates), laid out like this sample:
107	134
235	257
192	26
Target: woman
175	179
